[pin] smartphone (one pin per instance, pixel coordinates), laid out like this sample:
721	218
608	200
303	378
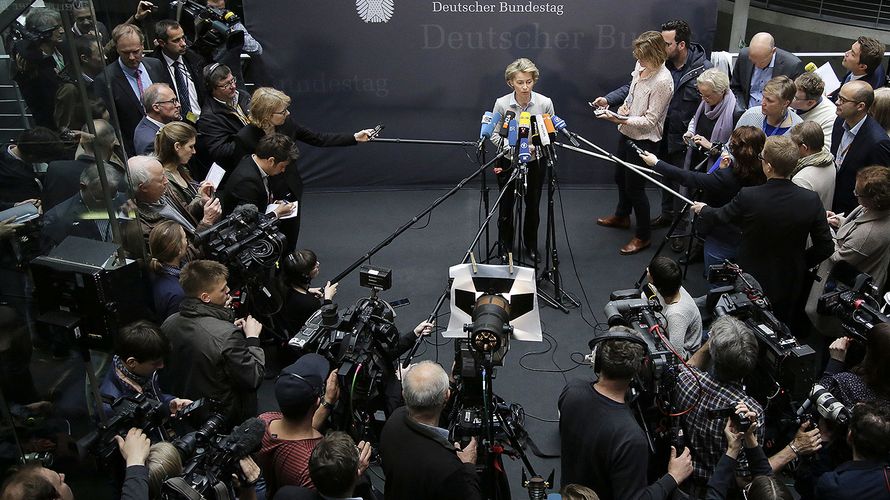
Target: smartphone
400	303
377	130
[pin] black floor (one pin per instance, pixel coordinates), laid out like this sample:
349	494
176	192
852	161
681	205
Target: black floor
341	227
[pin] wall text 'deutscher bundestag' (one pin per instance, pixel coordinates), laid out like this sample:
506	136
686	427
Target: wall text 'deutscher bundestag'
499	7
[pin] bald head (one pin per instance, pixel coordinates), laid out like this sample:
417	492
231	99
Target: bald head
761	49
425	388
853	101
102	143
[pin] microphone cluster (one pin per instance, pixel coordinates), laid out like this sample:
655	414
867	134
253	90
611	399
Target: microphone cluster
538	130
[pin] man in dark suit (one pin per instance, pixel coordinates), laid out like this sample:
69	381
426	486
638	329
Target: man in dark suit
161	107
857	141
863	62
776	218
223	116
128	76
756	65
61	179
184	65
18	178
418	459
249	182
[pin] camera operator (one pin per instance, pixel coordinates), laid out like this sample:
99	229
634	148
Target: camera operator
34	482
418	459
213	354
776	218
140	349
164	461
867	381
306	392
682	315
861	239
763	486
611	457
336	466
711	383
866	476
38	62
298	269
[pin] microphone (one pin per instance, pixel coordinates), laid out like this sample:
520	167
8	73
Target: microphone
245	439
525	154
512	133
810	67
560	125
535	135
489	122
505	126
543	136
548	125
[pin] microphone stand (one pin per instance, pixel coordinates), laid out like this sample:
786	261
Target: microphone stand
389	239
552	274
425	141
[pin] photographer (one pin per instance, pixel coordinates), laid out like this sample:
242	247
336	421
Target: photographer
866	475
336	467
418	459
711	384
611	457
38	62
682	315
867	381
213	354
34	482
140	351
306	392
763	485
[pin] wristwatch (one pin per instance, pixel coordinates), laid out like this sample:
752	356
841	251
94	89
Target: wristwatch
329	406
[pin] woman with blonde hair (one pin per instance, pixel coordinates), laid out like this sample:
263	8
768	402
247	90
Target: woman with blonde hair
270	112
175	147
640	119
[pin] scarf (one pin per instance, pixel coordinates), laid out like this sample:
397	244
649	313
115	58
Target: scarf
722	114
821	159
137	382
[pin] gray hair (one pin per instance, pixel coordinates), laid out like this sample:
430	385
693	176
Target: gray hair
716	79
734	349
152	95
90	175
138	167
425	387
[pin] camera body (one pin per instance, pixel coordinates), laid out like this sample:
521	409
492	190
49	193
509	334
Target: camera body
856	305
627	308
245	241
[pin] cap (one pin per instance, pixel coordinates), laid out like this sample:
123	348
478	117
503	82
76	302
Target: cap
300	383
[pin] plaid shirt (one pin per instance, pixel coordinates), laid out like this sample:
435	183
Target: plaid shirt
704	435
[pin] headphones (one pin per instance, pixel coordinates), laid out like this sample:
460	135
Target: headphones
293	269
594	345
318	391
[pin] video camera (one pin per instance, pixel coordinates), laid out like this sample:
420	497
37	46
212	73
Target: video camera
360	341
212	27
209	471
853	299
627	308
788	363
245	241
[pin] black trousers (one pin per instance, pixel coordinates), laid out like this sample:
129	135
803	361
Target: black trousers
631	187
670	204
532	201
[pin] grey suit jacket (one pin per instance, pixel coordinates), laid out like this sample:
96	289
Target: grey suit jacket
786	64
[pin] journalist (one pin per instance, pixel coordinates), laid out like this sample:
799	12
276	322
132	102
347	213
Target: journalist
866	476
418	459
174	145
611	456
336	466
250	182
776	220
712	382
213	354
223	115
168	246
298	269
867	381
738	167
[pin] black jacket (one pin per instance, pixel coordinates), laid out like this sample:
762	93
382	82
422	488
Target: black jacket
17	180
870	146
195	65
686	97
776	218
290	185
210	357
244	185
128	107
217	128
786	64
62	180
418	463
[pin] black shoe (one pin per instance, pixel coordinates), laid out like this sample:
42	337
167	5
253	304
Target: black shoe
678	244
697	255
663	220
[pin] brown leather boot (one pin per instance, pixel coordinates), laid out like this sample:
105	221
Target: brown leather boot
617	221
634	246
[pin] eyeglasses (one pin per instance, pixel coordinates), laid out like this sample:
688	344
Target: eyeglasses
226	85
843	100
173	101
284	112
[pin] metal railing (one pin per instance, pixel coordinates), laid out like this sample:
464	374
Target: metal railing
865	13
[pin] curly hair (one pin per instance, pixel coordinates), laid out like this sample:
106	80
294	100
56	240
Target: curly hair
875	186
746	143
